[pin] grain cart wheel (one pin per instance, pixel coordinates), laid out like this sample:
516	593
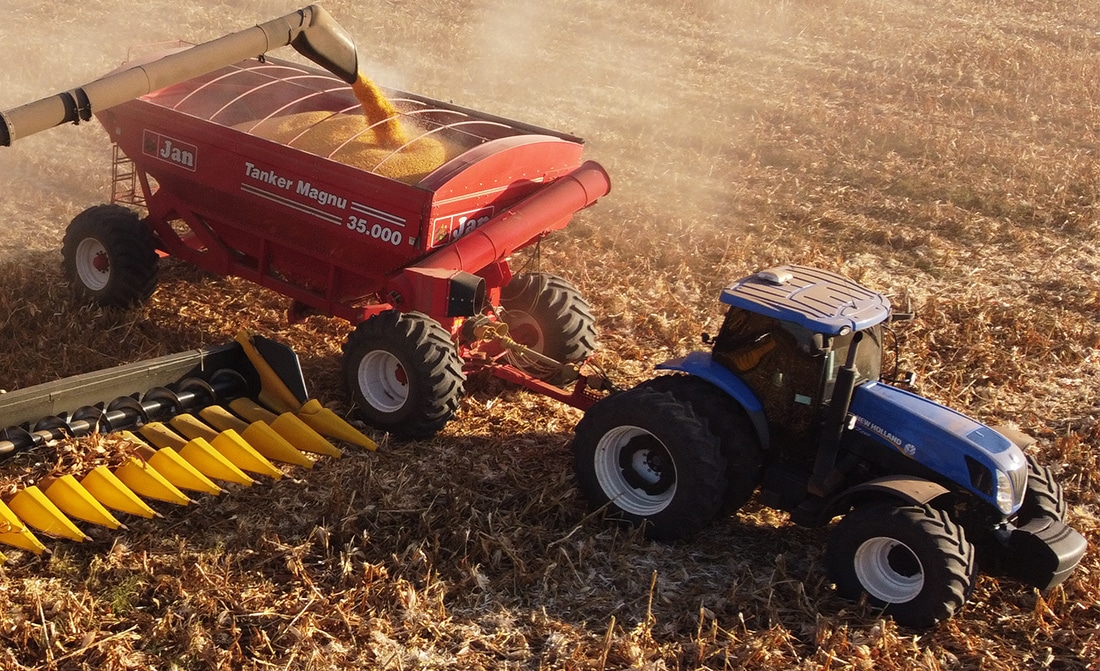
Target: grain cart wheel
1044	496
726	419
110	256
912	561
548	314
403	373
650	459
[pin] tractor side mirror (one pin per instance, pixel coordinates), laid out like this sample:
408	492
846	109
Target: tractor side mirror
819	346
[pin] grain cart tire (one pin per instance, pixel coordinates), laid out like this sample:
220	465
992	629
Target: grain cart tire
914	562
403	373
548	314
726	419
110	256
1044	496
651	461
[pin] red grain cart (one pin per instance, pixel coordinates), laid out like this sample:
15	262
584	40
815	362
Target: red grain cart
416	256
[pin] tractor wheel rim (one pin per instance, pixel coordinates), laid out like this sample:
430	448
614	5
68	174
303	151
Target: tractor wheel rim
889	570
93	266
630	475
383	381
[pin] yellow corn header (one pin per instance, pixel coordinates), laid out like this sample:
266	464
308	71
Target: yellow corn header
230	414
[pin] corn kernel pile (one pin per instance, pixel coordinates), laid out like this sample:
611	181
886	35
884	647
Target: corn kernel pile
377	140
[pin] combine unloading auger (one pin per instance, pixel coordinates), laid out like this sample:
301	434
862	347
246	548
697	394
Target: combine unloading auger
310	30
228	414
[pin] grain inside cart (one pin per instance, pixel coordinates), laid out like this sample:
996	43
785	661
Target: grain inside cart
396	212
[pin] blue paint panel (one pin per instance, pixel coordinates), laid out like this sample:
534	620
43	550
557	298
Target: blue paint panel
932	434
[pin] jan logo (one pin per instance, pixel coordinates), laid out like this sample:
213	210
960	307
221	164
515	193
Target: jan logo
169	150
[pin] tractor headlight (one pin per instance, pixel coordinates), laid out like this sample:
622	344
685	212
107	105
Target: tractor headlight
1010	490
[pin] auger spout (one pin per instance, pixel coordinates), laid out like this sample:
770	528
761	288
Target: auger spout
311	31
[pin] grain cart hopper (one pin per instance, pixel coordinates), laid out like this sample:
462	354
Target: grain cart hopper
791	401
397	213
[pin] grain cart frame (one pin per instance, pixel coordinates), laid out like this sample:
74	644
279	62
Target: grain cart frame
418	262
791	401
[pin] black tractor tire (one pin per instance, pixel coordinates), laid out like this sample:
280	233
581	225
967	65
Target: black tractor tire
547	314
726	419
403	373
914	562
1044	496
651	461
110	256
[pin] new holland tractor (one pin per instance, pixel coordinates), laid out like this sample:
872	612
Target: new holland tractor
791	401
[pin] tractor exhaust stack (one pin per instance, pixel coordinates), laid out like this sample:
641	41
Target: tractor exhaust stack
311	31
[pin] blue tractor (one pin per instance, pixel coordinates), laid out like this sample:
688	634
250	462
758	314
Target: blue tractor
790	404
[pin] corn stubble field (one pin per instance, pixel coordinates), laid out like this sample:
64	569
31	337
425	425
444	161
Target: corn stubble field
943	153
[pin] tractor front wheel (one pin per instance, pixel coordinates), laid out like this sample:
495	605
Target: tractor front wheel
110	256
651	461
403	373
1044	496
914	562
547	314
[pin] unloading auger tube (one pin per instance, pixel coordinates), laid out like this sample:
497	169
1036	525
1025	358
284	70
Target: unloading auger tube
311	31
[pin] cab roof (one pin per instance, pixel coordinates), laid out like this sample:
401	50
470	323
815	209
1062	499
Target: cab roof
819	300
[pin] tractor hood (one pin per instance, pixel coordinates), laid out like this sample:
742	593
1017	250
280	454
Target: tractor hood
962	449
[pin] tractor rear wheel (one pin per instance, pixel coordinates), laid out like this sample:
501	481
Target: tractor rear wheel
1044	496
727	420
110	256
651	461
403	373
547	314
914	562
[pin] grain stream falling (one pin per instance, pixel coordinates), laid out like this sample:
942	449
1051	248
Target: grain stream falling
380	113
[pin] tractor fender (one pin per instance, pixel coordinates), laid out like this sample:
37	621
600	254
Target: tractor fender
910	490
700	364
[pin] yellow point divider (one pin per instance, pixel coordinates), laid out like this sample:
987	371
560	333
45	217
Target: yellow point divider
160	435
113	493
32	506
277	396
193	427
273	446
222	419
287	425
302	436
251	411
181	472
145	480
245	457
211	462
273	391
16	534
76	501
328	423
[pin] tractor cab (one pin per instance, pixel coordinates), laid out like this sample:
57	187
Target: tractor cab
787	334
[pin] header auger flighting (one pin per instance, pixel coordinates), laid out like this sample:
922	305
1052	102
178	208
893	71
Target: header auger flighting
395	212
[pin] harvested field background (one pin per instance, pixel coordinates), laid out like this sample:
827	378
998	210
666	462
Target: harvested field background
944	153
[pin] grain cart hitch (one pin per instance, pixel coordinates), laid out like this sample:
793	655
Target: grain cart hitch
218	415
